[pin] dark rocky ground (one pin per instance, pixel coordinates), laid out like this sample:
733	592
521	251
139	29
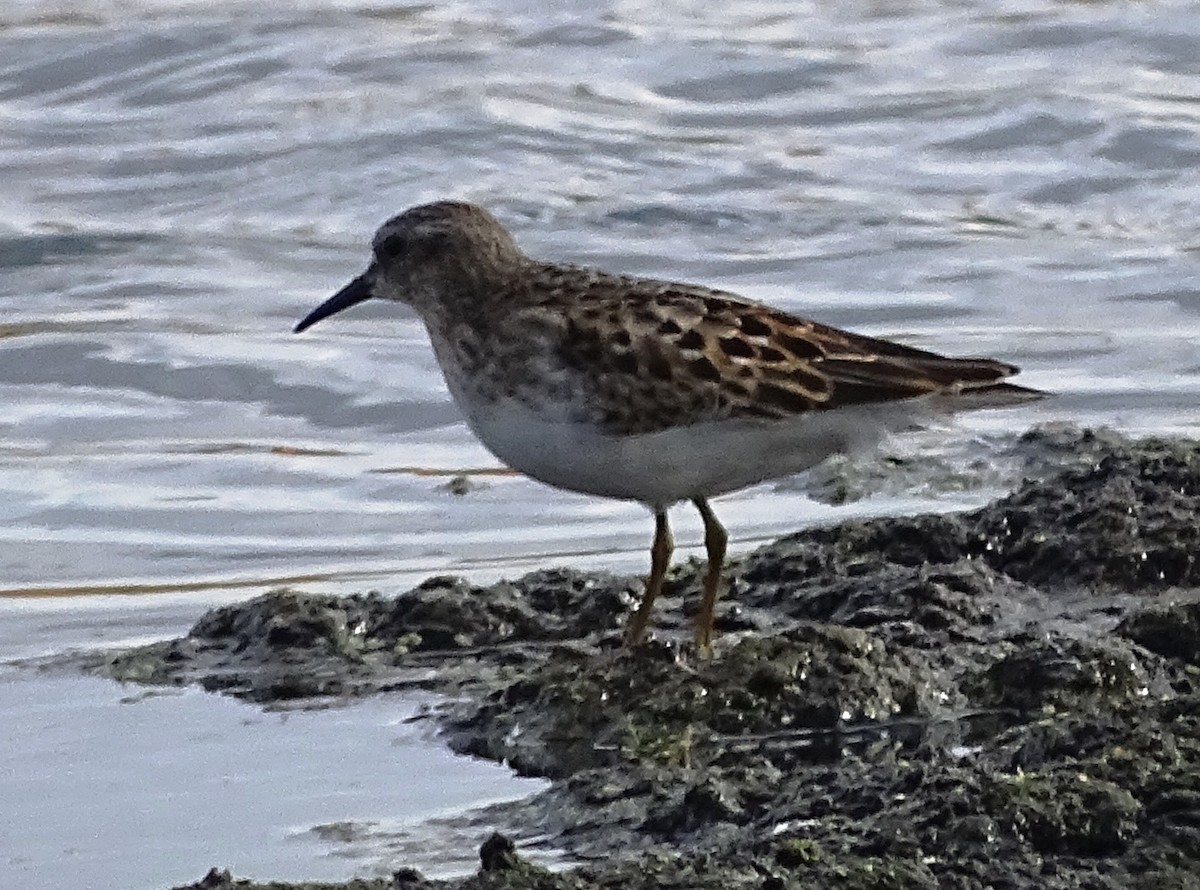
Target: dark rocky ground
1003	698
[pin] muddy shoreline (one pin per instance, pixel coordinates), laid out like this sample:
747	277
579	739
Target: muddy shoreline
1008	696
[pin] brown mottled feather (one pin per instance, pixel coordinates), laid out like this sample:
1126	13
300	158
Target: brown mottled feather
655	355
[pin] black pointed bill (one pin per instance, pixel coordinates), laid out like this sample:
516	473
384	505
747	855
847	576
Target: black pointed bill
353	293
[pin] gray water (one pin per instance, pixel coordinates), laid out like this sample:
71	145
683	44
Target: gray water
179	183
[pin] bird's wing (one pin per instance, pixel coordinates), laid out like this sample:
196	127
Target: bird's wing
657	355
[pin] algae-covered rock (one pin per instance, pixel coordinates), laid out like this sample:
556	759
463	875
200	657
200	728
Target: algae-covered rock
577	711
1003	697
288	645
1169	629
1054	673
279	646
1117	514
1124	516
852	576
449	613
1068	812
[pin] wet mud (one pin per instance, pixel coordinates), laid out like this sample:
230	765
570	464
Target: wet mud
1006	697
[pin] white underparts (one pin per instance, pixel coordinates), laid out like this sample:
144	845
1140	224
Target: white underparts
702	460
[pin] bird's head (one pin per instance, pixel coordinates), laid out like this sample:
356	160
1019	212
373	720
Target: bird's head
448	250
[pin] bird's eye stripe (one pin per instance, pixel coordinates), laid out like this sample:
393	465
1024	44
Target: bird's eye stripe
390	245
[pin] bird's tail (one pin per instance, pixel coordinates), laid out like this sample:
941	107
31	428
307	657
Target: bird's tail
967	396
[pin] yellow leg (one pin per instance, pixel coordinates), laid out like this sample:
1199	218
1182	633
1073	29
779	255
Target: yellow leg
715	539
660	559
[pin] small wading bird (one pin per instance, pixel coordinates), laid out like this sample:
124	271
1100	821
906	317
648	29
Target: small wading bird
646	390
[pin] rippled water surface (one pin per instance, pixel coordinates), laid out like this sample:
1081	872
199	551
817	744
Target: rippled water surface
182	182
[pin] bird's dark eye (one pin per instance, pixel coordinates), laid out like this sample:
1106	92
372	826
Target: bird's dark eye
390	247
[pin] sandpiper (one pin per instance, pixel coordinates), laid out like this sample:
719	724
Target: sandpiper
646	390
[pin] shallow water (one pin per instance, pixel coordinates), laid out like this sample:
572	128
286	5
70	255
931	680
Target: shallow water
183	182
123	787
